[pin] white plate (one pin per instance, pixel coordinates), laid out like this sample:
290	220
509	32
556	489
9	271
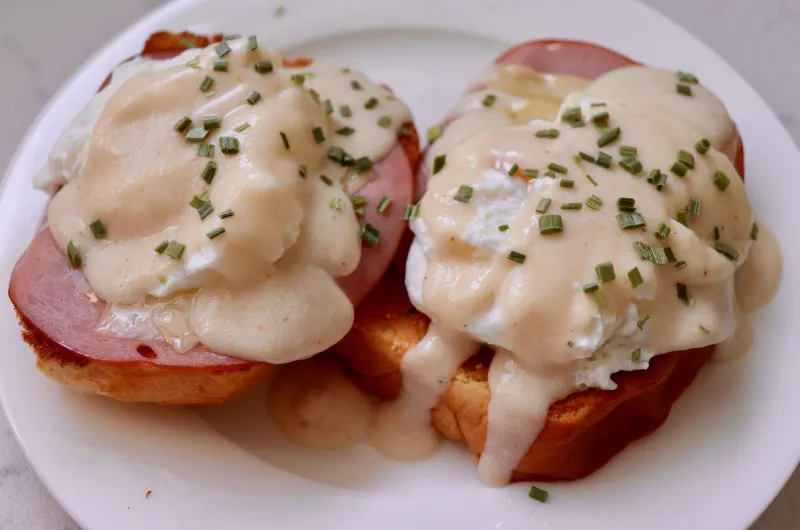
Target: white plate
725	451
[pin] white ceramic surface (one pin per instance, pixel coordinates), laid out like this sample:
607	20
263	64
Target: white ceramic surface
723	454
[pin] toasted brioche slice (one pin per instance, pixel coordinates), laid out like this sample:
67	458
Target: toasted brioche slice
583	431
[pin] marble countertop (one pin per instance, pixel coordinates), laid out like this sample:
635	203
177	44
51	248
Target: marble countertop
759	38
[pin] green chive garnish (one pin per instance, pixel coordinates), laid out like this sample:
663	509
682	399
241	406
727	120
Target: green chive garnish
285	140
263	67
608	137
679	169
241	127
544	204
683	293
209	171
174	249
704	329
253	97
298	79
558	168
362	165
530	173
370	235
302	170
538	494
716	233
205	150
686	158
197	202
434	133
371	103
754	232
464	194
572	206
572	114
252	43
222	49
726	250
642	322
586	156
513	169
547	133
384	122
228	145
161	247
605	271
313	93
659	256
652	177
695	207
635	277
550	224
630	220
590	179
604	159
438	163
205	210
628	151
662	180
328	106
384	204
489	100
225	214
721	180
631	165
686	77
636	355
355	85
599	104
412	211
337	203
702	146
211	122
516	256
182	124
358	200
346	131
590	288
503	228
231	36
196	135
97	228
345	111
679	265
566	183
319	135
684	90
216	232
662	231
206	84
602	117
626	204
594	202
74	256
337	154
326	179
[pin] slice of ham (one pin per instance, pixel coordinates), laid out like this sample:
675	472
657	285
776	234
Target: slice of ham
56	300
566	57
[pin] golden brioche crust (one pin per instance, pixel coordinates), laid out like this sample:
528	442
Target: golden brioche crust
583	431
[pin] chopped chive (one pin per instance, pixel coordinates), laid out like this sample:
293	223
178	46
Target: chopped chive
704	329
313	93
216	232
222	49
346	70
642	321
241	127
512	170
225	214
228	145
586	156
590	179
162	279
628	151
464	194
516	256
686	158
684	90
206	84
434	133
209	171
438	163
252	43
489	100
263	67
538	494
635	277
566	183
384	204
550	224
161	247
205	210
345	111
679	169
319	134
182	124
599	118
74	256
686	77
362	165
298	79
594	202
558	168
608	137
604	159
626	204
631	165
683	293
302	170
358	200
682	218
721	180
174	249
231	36
544	204
196	202
412	212
355	85
346	131
754	232
590	288
326	179
630	220
328	106
337	154
205	150
636	355
549	174
194	63
572	206
188	43
716	233
371	103
547	133
659	256
727	251
285	140
97	228
211	122
253	97
384	122
572	114
679	265
370	235
702	146
695	206
605	271
598	104
662	231
503	228
337	203
530	173
652	177
662	180
196	135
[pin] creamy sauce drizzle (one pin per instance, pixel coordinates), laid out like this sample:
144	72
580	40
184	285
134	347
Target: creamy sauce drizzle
551	338
251	291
